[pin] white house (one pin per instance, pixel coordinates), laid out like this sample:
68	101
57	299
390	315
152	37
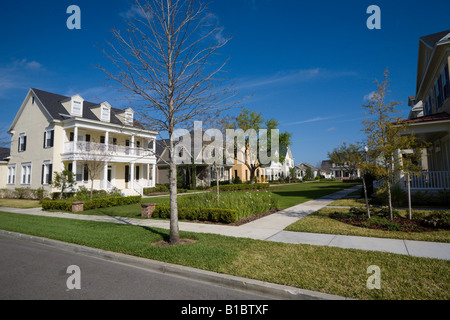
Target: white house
51	132
300	170
278	170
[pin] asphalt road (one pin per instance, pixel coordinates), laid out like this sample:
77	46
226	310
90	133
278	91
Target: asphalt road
30	270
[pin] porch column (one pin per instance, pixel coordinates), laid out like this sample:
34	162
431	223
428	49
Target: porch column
105	175
133	151
153	175
132	175
106	140
75	138
74	170
64	140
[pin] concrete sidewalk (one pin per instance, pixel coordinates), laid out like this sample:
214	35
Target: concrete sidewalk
271	228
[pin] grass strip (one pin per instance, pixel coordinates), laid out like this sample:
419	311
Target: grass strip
330	270
321	222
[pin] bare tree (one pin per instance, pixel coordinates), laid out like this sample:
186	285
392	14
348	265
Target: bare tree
164	62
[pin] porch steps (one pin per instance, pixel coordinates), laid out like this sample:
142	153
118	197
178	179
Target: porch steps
130	192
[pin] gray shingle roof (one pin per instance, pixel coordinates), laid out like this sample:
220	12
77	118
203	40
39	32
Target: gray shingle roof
432	39
52	102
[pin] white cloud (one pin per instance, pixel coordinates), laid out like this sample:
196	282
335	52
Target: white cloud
132	13
291	77
316	119
369	96
24	63
20	74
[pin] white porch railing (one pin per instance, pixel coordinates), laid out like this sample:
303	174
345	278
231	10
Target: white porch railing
138	187
110	149
431	180
426	180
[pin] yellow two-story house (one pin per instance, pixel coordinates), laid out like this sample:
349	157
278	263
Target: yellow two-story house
52	132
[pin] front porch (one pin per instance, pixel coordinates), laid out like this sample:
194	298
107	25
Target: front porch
129	178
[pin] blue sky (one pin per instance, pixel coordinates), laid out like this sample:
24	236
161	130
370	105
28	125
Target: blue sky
309	64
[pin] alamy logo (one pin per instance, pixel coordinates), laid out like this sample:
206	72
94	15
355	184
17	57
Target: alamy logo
374	281
74	281
213	147
74	21
374	21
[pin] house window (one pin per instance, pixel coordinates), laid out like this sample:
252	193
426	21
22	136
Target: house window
22	142
105	114
128	117
47	172
11	179
49	136
26	173
82	173
76	107
445	82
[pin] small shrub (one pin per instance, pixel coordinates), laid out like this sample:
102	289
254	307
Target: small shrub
23	193
62	205
156	189
205	214
66	205
240	187
436	219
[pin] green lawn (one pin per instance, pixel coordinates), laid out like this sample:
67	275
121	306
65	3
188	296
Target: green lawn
286	195
292	194
330	270
19	203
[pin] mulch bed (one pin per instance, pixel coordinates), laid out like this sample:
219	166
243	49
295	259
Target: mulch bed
404	224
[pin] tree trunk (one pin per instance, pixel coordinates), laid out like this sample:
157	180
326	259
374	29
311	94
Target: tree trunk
365	196
92	189
252	175
391	215
217	184
174	232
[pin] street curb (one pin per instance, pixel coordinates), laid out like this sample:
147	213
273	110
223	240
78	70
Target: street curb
270	290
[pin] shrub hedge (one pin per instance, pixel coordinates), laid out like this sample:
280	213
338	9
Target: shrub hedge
66	205
205	214
239	187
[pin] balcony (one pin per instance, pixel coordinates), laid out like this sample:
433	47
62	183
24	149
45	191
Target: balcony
106	152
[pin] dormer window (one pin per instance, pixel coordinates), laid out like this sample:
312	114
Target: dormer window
105	113
129	117
77	107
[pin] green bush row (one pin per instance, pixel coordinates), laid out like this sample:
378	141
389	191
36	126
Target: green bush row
204	214
158	188
66	205
239	187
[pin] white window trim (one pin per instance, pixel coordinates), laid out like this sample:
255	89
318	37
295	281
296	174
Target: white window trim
75	111
105	113
25	177
129	117
21	141
48	133
45	181
11	173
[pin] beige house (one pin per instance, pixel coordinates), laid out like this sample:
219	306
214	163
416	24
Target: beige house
51	132
205	173
429	118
